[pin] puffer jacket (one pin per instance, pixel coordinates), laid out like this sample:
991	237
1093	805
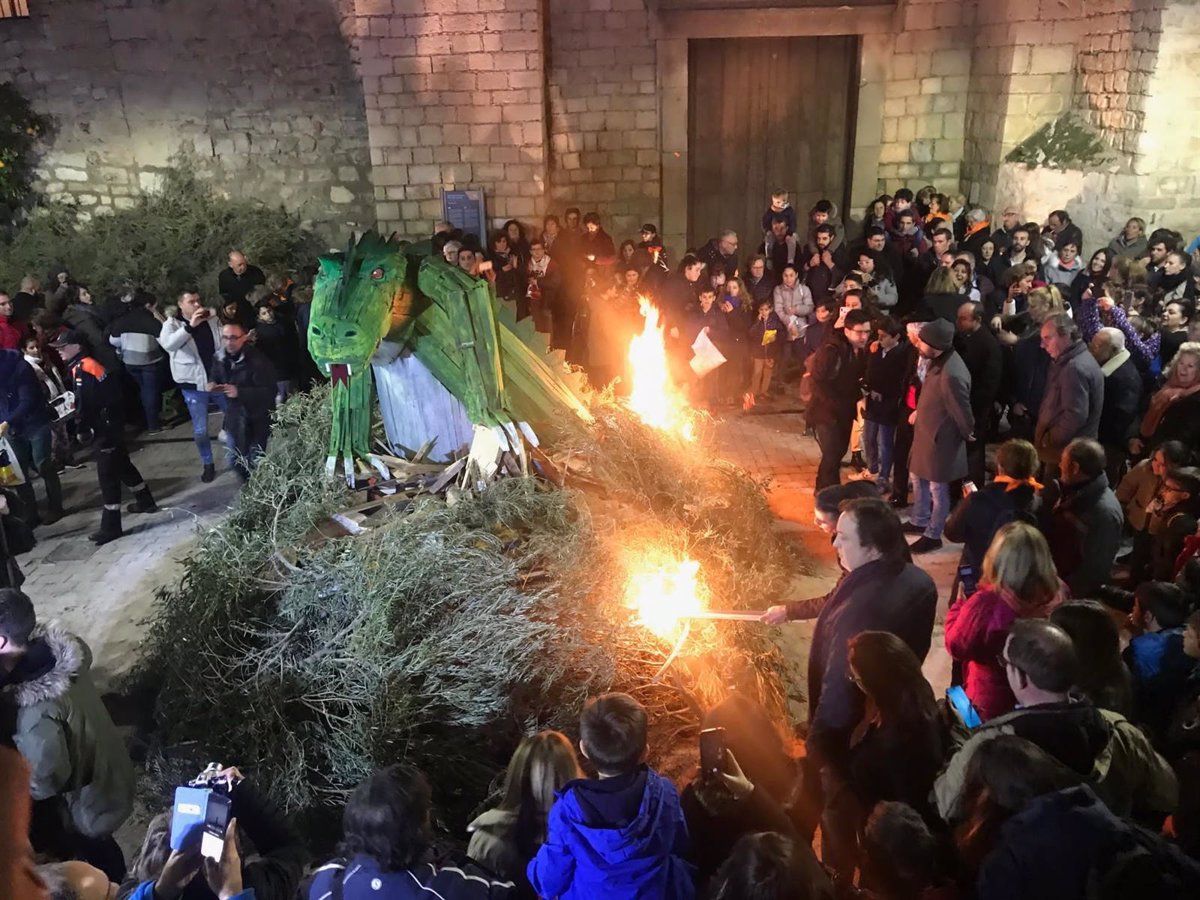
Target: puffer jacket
976	631
186	365
66	735
135	335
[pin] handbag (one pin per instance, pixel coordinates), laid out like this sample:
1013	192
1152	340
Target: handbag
11	474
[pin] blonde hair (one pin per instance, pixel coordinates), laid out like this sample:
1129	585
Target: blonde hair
942	282
1190	348
1019	561
1045	302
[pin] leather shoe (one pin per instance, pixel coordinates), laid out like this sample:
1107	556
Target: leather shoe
925	545
910	528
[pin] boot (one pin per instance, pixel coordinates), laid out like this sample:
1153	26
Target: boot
209	473
857	461
110	527
143	502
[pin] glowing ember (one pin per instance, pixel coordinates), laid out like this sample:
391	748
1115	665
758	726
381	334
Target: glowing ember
662	595
653	397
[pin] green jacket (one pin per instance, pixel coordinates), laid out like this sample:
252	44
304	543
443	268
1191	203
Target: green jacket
67	737
1112	754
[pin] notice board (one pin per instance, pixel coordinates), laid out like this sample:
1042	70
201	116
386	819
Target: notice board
464	209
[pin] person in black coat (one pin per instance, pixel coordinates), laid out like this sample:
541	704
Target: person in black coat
1122	398
836	371
239	278
881	591
1082	519
720	254
1011	496
887	366
896	749
249	381
984	358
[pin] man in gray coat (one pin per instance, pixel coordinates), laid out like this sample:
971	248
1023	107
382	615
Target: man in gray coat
942	425
81	776
1074	395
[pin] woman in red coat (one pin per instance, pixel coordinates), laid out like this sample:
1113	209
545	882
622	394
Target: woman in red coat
1019	582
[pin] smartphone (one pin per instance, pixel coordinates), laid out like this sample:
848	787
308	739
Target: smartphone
968	578
842	311
712	751
216	821
187	814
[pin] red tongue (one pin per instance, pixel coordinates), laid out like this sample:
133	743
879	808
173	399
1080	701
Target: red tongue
339	373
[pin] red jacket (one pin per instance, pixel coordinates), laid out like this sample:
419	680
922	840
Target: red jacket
976	630
10	335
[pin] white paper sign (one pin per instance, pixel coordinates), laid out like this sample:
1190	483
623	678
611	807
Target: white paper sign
707	357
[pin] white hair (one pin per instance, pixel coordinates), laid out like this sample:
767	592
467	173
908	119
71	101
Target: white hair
977	214
1116	337
728	233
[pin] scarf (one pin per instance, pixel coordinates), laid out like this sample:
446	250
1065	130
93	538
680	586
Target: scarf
1118	360
976	228
1011	484
1160	403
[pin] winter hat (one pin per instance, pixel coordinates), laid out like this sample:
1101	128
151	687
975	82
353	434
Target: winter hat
938	334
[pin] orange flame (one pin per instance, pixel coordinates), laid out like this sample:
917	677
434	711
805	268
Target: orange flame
663	594
653	396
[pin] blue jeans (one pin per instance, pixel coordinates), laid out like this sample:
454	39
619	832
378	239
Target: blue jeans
197	405
33	449
150	389
925	493
878	442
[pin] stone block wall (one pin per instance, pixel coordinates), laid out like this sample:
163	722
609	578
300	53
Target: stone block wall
603	102
925	95
130	83
455	98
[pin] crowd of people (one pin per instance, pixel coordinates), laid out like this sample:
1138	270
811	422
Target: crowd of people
1035	409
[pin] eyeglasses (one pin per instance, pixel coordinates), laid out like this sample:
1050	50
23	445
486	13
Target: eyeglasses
861	332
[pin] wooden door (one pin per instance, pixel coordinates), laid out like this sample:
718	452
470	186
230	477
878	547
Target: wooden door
767	113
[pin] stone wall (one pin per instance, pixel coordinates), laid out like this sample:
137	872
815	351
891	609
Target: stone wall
455	98
130	83
925	95
604	111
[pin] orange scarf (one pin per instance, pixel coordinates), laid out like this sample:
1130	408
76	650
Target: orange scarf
1159	404
1013	483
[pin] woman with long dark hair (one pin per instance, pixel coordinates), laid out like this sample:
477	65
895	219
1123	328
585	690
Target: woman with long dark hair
1091	281
896	749
1105	680
506	837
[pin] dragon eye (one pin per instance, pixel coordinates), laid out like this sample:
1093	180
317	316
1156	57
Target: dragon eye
377	274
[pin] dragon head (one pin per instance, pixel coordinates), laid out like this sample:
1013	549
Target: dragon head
358	297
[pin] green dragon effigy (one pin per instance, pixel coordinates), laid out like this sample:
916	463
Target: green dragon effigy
500	372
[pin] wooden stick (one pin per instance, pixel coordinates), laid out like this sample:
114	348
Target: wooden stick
727	615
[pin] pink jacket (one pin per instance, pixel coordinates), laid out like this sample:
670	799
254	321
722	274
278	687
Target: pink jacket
976	630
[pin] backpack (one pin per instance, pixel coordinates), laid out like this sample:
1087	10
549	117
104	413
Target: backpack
1150	866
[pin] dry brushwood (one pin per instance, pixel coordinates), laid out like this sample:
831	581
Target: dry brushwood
444	631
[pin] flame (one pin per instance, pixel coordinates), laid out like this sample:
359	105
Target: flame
653	396
663	594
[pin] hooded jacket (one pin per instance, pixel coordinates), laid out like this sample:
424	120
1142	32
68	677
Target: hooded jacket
66	735
1111	753
593	851
22	401
1072	403
363	879
976	631
1068	843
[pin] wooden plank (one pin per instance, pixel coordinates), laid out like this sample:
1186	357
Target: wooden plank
776	22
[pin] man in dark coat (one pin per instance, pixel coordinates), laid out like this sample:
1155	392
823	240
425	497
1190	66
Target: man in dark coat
942	425
881	591
837	370
822	267
984	358
239	278
1082	519
246	377
25	418
720	254
1122	398
1074	393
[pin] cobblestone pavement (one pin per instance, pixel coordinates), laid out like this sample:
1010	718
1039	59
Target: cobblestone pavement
105	593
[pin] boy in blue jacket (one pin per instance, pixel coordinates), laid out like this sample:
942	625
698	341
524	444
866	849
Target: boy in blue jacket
623	834
1156	658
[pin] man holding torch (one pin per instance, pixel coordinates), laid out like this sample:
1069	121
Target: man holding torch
881	591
